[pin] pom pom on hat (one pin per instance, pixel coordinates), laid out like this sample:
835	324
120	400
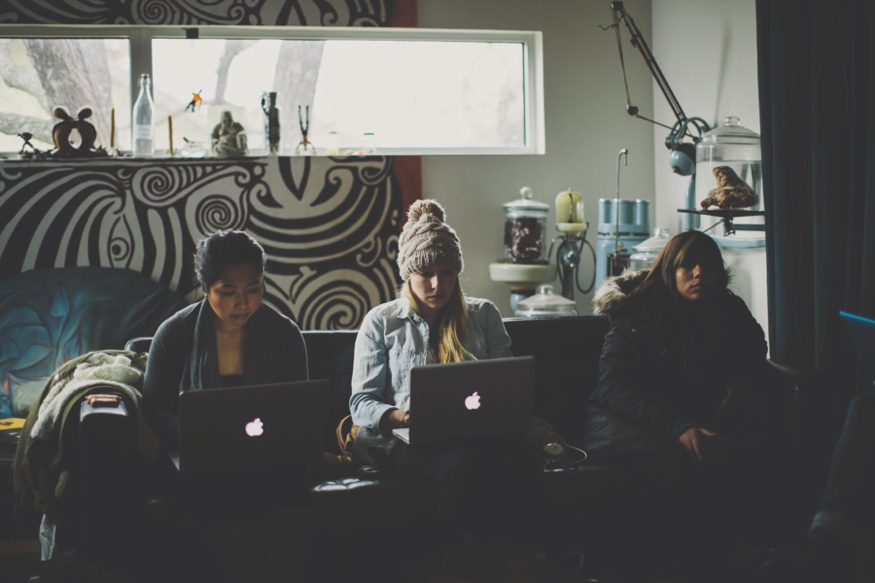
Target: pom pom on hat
427	240
425	207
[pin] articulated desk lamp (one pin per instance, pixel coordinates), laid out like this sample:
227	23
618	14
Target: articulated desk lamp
683	153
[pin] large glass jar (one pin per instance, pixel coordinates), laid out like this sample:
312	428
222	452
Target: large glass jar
729	171
525	229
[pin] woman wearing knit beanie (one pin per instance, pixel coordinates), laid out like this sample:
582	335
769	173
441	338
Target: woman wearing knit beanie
431	322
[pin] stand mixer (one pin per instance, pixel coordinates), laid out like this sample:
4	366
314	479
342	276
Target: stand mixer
570	222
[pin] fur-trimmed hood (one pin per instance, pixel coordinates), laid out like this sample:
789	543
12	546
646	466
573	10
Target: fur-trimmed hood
613	295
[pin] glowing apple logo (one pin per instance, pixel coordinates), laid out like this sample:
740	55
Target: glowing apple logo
472	402
254	428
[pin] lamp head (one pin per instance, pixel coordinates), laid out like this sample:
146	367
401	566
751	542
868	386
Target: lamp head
683	159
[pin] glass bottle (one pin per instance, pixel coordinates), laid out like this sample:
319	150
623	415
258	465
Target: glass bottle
369	144
333	147
144	126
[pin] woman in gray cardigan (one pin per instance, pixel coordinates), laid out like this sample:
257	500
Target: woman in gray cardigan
247	523
229	338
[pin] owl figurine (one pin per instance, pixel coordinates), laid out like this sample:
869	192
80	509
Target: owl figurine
731	193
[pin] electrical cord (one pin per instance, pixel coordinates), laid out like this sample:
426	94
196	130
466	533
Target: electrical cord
558	451
576	274
577	277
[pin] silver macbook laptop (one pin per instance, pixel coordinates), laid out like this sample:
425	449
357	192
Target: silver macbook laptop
243	427
464	400
862	333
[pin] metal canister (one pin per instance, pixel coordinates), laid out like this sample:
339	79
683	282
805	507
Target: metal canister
632	228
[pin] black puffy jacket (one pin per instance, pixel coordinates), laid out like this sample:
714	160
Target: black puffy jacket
648	392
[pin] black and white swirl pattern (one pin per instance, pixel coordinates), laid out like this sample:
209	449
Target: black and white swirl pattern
334	300
194	12
61	12
331	248
218	213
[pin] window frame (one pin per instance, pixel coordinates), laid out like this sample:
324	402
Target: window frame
140	38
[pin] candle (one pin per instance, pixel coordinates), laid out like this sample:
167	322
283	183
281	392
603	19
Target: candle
112	128
170	129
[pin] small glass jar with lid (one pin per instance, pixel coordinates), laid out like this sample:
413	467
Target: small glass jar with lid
525	229
546	304
646	252
729	166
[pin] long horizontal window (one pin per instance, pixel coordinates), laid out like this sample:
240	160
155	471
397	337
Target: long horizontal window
352	90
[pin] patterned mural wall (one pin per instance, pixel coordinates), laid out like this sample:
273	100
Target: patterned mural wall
190	12
329	225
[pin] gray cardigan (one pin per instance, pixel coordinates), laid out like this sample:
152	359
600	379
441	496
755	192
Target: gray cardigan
184	357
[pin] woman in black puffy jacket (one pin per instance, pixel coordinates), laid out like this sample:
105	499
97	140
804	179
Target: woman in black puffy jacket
683	362
681	390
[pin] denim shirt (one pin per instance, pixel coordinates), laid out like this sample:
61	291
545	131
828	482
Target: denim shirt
393	338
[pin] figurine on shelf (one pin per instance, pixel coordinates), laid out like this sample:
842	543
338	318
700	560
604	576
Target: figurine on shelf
196	100
63	131
304	148
229	138
34	151
271	121
731	193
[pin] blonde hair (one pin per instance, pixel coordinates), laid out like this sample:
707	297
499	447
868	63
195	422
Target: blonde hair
450	327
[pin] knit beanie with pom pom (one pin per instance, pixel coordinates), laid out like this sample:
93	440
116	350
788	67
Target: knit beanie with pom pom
427	240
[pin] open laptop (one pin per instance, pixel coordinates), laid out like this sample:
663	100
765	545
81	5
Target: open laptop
471	399
862	333
244	427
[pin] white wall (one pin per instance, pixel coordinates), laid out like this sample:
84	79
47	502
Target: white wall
586	126
708	52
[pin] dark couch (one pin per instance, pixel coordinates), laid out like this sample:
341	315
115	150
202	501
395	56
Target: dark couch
586	503
566	352
582	498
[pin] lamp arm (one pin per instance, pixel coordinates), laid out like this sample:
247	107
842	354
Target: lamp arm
680	128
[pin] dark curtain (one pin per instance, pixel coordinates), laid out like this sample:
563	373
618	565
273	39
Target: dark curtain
817	106
816	64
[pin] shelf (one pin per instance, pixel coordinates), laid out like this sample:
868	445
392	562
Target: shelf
729	227
723	214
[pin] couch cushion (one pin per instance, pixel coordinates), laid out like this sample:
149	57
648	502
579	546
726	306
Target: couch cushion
330	356
373	501
567	352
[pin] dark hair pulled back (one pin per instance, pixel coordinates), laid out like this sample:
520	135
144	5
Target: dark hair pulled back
224	248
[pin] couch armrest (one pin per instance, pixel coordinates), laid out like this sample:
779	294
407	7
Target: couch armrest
792	393
106	451
139	344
